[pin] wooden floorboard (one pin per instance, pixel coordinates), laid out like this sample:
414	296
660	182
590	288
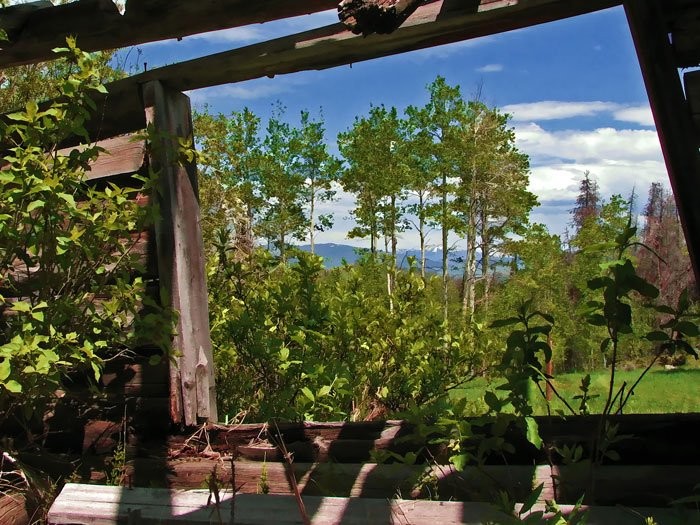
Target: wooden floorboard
102	505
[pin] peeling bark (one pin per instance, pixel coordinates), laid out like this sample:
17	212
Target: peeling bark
375	16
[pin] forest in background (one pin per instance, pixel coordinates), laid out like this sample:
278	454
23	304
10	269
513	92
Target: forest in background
370	340
296	340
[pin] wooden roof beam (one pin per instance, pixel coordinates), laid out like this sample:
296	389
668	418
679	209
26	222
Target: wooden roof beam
435	23
671	114
35	30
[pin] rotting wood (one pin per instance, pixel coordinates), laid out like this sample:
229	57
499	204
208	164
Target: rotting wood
98	24
181	257
676	131
364	17
108	505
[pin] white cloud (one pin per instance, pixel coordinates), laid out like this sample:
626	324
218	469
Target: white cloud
635	145
560	110
641	115
490	68
235	35
556	110
619	160
259	88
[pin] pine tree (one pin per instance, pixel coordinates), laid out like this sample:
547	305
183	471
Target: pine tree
587	202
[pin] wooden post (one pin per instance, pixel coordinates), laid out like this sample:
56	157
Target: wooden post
671	114
181	257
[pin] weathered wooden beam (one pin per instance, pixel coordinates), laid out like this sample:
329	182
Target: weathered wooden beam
94	504
364	17
97	24
671	114
12	18
122	155
438	22
181	257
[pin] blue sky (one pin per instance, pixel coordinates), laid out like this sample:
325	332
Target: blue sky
573	87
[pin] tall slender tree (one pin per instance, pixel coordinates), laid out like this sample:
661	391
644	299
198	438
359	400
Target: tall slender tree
281	186
441	120
320	171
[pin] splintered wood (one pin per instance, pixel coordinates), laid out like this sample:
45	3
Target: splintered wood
375	16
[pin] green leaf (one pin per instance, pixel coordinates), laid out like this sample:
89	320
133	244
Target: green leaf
460	461
22	306
492	401
323	391
284	353
13	386
5	369
533	432
308	393
34	205
688	328
96	370
531	499
656	335
68	198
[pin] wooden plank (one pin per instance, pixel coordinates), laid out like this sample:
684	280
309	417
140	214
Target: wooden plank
369	480
181	258
671	114
692	92
654	485
123	155
438	22
98	505
98	25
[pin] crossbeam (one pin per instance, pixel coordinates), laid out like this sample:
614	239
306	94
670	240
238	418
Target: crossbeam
435	23
35	29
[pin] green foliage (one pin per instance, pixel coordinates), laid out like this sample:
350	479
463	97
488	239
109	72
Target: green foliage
292	341
69	300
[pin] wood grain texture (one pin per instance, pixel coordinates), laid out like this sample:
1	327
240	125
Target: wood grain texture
37	29
99	505
181	258
122	155
435	23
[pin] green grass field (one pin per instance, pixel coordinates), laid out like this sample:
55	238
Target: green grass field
660	391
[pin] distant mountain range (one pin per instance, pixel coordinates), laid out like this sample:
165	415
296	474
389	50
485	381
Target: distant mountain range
334	255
